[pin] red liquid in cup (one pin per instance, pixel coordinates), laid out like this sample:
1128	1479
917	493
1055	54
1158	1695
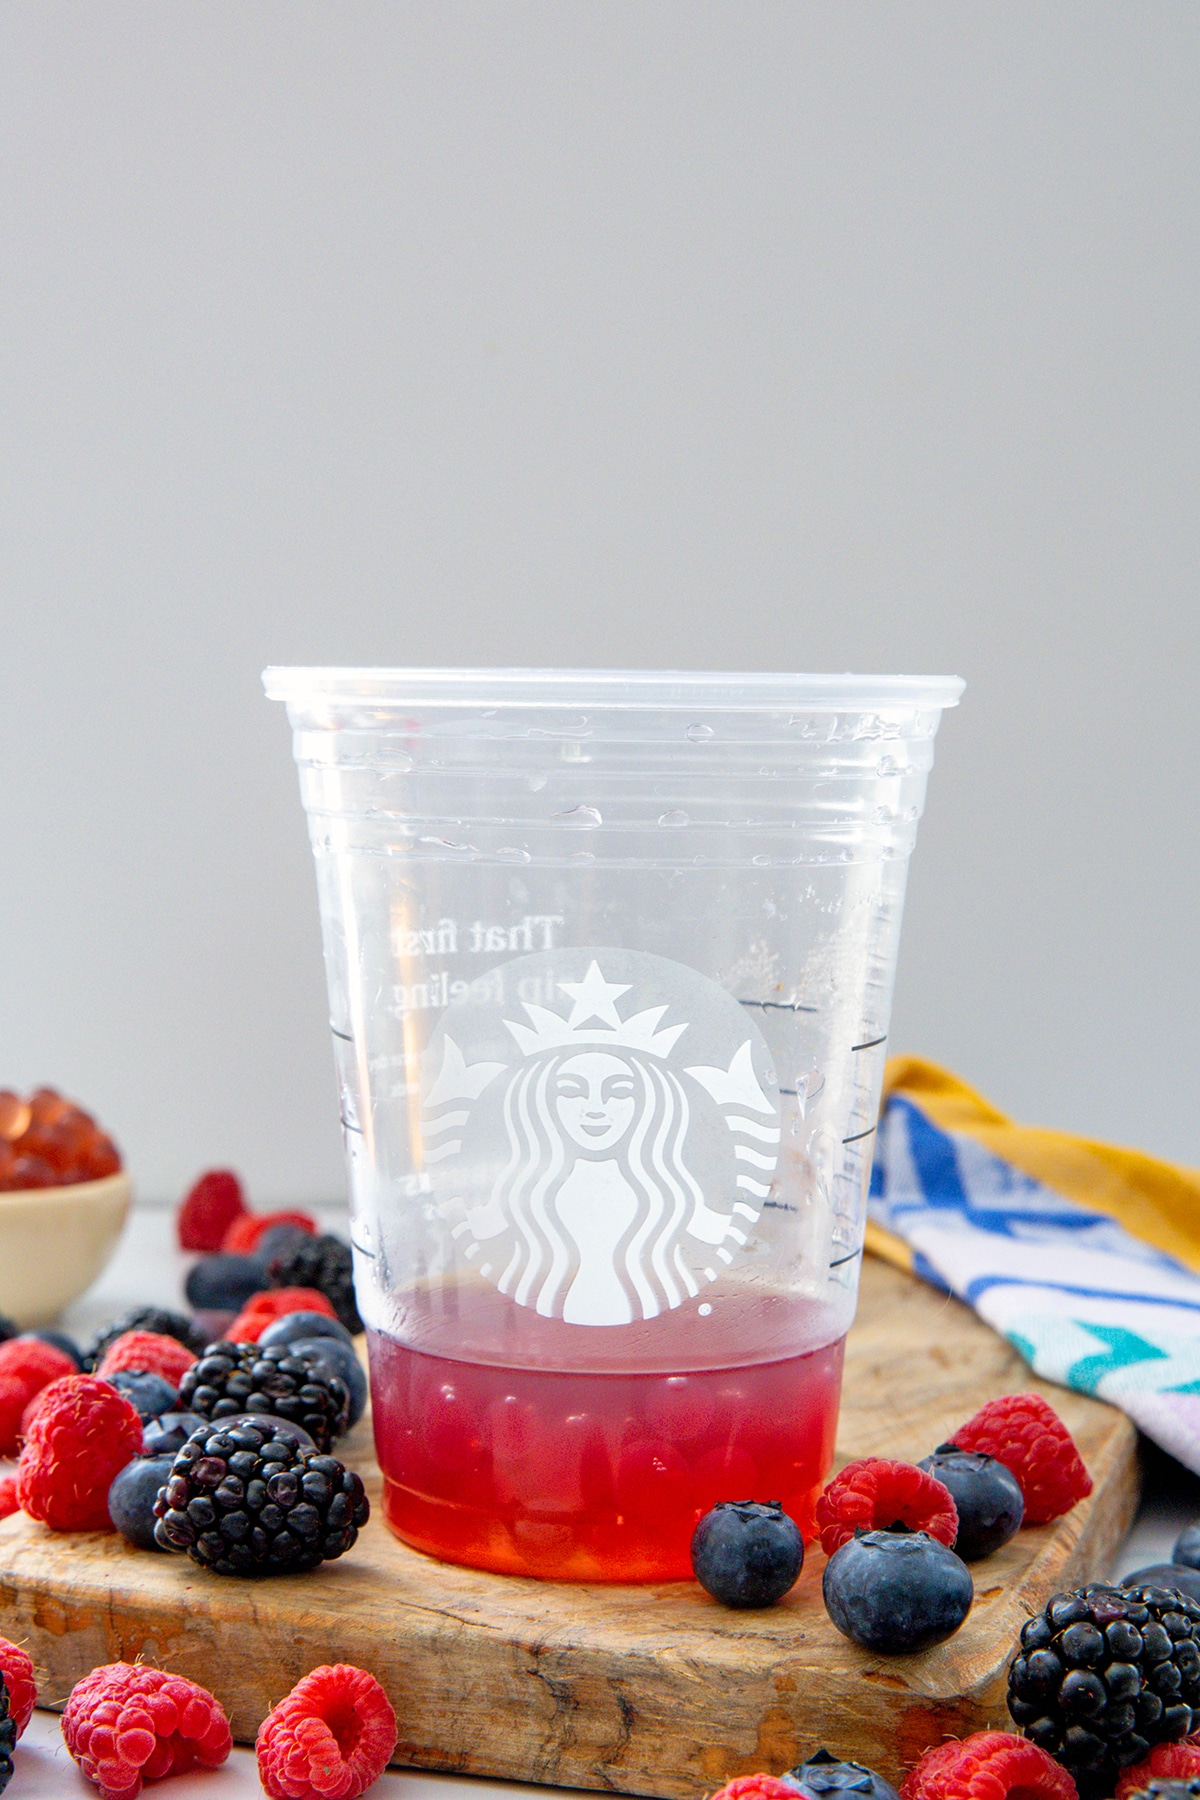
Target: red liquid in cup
592	1477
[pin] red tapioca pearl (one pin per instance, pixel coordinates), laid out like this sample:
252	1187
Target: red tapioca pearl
588	1462
47	1106
14	1115
406	1458
542	1459
653	1480
800	1504
547	1543
677	1410
98	1157
515	1433
55	1144
597	1481
450	1432
727	1473
32	1172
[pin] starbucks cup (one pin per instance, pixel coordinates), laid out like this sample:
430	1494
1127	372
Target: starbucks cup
610	960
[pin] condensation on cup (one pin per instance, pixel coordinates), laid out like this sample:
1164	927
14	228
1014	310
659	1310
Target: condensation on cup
610	960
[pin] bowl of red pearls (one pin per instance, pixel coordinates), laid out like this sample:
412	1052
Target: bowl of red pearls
63	1200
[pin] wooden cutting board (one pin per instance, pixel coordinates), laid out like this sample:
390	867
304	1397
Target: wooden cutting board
641	1690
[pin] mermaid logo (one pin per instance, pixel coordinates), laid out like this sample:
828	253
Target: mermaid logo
592	1177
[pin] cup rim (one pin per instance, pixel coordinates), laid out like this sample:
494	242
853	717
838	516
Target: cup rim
624	690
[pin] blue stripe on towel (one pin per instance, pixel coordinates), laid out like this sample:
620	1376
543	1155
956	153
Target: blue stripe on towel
983	1283
935	1160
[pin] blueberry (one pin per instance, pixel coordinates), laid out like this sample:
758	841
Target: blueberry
988	1497
304	1325
823	1774
61	1341
223	1281
1179	1576
896	1591
278	1240
340	1359
148	1394
132	1495
747	1552
169	1432
1187	1548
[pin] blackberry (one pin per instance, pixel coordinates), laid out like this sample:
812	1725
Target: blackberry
246	1378
1105	1673
1164	1787
144	1318
249	1500
8	1736
324	1263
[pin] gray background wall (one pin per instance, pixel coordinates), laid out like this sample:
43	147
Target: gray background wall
645	332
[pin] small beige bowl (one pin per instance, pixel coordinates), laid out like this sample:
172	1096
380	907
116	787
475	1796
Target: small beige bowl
55	1241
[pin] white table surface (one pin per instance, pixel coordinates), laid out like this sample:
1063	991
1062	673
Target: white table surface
149	1269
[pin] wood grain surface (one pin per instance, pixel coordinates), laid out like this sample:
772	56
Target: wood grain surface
641	1690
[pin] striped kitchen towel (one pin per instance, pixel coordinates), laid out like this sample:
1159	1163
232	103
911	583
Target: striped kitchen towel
1084	1256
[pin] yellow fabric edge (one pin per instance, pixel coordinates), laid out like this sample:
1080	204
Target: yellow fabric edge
1155	1201
887	1246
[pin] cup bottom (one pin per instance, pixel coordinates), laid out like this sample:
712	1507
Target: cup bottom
592	1477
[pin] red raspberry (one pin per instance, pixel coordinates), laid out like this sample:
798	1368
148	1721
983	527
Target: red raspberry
874	1495
8	1496
330	1739
1166	1762
150	1353
16	1665
27	1365
208	1209
1029	1438
756	1787
125	1724
263	1309
14	1398
988	1765
243	1236
83	1435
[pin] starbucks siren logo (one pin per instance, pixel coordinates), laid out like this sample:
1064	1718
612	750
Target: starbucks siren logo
591	1177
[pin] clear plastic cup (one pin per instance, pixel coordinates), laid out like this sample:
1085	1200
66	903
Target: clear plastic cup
610	961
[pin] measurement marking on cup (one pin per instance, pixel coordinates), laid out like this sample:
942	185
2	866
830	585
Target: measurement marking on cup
859	1135
839	1260
781	1006
350	1127
870	1043
344	1035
